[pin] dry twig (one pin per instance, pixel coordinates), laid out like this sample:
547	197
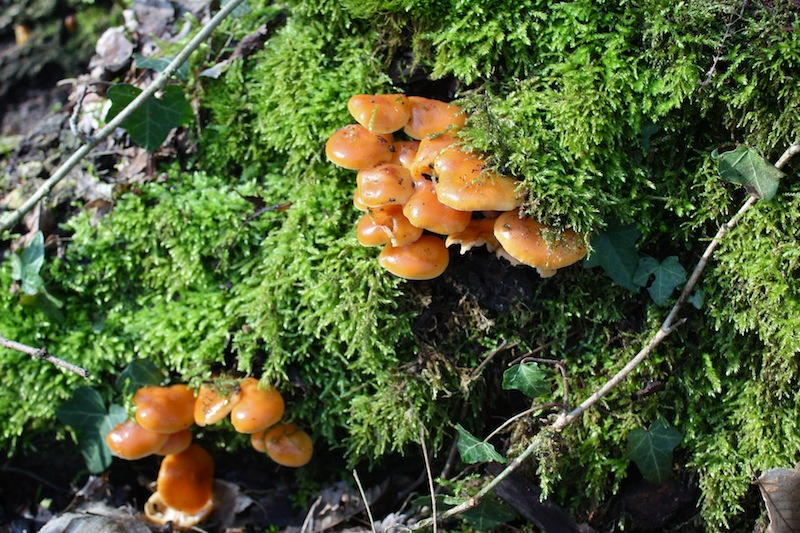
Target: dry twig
41	353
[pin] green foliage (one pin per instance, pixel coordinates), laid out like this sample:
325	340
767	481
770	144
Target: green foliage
528	378
746	167
473	450
614	249
667	276
150	124
651	450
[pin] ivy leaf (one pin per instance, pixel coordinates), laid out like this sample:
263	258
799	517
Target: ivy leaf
159	64
489	513
473	450
697	298
527	378
88	417
747	167
139	373
668	275
651	450
614	250
150	124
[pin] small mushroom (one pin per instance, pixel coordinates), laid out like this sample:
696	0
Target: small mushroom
384	184
424	210
524	240
214	403
176	443
425	258
384	225
464	183
381	113
258	408
288	445
404	152
185	489
429	149
432	117
354	147
164	409
128	440
479	232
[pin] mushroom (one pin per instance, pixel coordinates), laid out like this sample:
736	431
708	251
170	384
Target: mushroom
288	445
479	232
176	442
381	113
184	489
464	183
383	184
425	258
214	403
128	440
354	147
164	409
431	117
384	225
524	240
404	152
258	408
424	210
429	149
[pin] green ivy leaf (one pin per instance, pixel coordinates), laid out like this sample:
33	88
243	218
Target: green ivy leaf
651	450
26	265
667	276
489	513
88	417
527	378
697	298
473	450
747	167
139	373
614	250
150	124
159	64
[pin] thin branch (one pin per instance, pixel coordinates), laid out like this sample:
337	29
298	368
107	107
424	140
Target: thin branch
11	220
41	353
431	488
364	499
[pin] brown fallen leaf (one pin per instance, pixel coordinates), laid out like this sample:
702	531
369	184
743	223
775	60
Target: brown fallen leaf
780	489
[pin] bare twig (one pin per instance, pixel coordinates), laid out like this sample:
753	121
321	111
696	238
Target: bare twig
11	220
364	499
41	353
430	478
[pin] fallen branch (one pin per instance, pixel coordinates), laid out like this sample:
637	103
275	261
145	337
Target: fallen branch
11	220
41	353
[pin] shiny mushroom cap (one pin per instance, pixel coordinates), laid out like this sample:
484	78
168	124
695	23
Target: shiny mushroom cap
185	483
463	182
214	403
384	184
384	225
424	210
432	117
380	113
524	240
288	445
355	147
258	408
425	258
164	409
128	440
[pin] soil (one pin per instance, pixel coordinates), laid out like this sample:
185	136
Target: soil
35	489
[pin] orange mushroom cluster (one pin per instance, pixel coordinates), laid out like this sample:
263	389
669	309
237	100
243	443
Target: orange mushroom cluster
421	192
162	425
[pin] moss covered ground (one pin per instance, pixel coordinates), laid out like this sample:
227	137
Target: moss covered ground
607	113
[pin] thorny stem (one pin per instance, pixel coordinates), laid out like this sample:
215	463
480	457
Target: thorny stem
41	353
11	220
668	326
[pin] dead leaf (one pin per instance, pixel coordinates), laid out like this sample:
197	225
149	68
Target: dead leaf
113	49
780	489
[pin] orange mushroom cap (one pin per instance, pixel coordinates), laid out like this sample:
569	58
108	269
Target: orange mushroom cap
258	408
524	240
288	445
186	479
386	224
404	152
425	258
214	403
479	232
176	443
257	441
380	113
164	409
384	184
432	117
463	182
354	147
427	152
424	210
128	440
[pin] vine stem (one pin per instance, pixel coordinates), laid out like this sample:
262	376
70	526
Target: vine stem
667	327
41	353
11	220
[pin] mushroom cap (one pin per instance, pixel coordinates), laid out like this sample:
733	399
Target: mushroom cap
429	149
384	184
128	440
380	113
524	240
159	512
386	224
424	210
464	183
404	152
479	232
186	480
354	147
258	408
164	409
432	117
288	445
176	443
425	258
214	403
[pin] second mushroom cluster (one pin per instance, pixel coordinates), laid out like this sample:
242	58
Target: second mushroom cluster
421	192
